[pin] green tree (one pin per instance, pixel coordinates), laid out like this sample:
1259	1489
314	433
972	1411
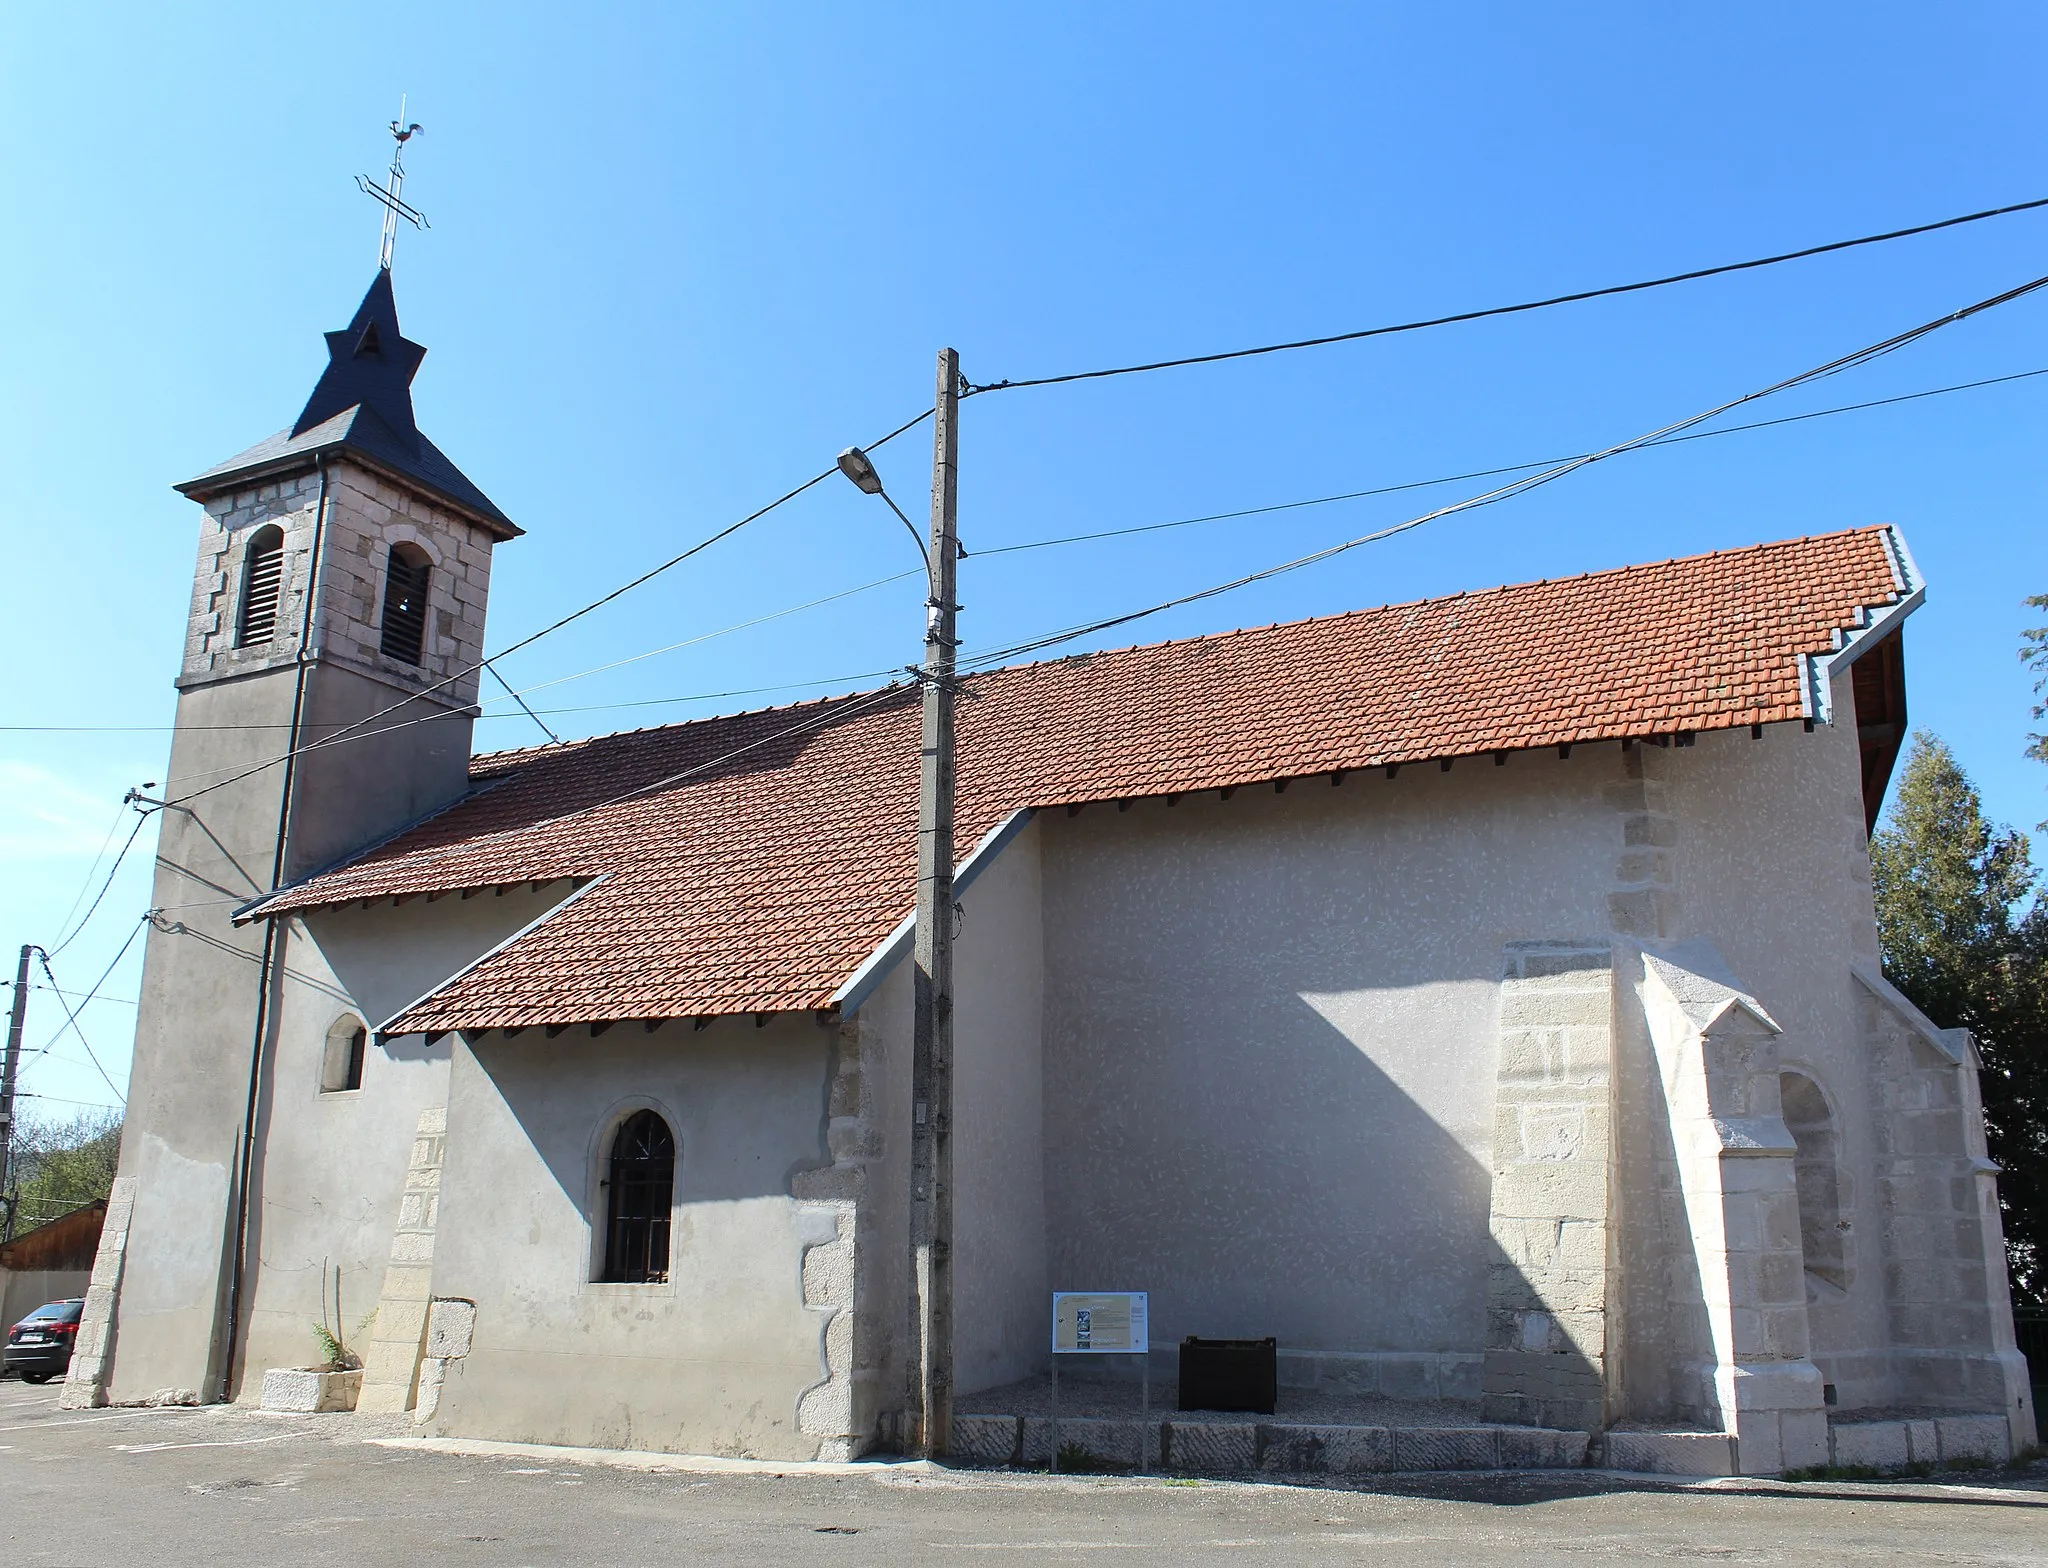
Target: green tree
61	1164
2034	650
1951	888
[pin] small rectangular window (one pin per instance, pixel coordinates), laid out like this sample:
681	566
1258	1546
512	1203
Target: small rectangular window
341	1064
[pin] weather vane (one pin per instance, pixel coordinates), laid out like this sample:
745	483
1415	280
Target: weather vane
394	182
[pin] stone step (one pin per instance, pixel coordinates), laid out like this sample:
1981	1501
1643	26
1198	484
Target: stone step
1287	1448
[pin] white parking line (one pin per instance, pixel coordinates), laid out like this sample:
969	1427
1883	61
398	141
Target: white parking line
237	1442
112	1415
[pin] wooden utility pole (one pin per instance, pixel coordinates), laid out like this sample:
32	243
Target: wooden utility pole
931	1091
9	1066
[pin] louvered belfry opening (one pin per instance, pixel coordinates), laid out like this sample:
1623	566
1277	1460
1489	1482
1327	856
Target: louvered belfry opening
262	582
405	603
641	1189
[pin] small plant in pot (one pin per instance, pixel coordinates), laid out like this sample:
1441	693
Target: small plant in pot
335	1355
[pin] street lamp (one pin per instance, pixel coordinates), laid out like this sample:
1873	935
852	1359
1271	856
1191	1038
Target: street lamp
857	466
928	1396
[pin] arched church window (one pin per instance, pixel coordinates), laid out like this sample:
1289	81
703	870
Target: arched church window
262	581
341	1063
1817	1170
405	603
639	1192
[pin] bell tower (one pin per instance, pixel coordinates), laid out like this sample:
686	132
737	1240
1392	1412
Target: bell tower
332	654
350	555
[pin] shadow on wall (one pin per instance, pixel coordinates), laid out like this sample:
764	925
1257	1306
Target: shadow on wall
1316	1201
734	1097
1270	1179
1269	1091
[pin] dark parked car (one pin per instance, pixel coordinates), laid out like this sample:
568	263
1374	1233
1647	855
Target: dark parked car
39	1346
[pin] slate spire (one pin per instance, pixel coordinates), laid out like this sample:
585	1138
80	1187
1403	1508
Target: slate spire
362	405
369	363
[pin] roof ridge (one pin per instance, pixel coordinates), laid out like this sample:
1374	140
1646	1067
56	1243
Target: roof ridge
1448	598
1234	631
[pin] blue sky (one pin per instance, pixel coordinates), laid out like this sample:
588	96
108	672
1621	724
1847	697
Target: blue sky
681	255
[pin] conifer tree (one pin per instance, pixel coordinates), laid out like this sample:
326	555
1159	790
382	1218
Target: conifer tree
2034	650
1950	889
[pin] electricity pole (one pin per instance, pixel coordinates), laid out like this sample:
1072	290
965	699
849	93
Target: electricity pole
931	1073
9	1065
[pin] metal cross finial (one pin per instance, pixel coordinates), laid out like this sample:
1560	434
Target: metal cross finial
394	182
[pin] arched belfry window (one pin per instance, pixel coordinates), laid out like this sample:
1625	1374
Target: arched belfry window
640	1190
262	582
1816	1168
405	603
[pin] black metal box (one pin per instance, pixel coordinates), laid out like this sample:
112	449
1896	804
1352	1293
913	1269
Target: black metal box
1229	1374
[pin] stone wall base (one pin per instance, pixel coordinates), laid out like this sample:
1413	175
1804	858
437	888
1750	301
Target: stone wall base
1878	1445
1270	1447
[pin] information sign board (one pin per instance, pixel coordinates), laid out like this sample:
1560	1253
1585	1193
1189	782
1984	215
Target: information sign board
1102	1323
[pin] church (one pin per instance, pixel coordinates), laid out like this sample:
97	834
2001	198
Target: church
1480	997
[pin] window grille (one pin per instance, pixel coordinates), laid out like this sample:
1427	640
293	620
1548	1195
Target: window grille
405	603
262	580
641	1191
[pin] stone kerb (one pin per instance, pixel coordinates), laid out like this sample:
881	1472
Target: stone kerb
1548	1283
1717	1052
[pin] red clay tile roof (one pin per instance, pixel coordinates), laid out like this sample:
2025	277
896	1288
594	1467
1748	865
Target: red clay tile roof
762	878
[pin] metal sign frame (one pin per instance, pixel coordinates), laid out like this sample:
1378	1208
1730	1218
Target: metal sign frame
1136	1313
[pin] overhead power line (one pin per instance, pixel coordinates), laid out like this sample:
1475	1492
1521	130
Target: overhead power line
71	1015
92	870
831	712
1516	487
348	731
828	711
1512	310
58	1099
37	985
520	695
523	710
553	738
1488	473
712	696
86	919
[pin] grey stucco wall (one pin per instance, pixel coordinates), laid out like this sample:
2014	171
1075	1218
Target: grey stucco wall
194	1034
1002	1311
1270	1042
882	1289
716	1359
331	1165
1774	868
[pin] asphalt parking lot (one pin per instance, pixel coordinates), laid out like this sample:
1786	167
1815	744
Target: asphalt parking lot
224	1486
